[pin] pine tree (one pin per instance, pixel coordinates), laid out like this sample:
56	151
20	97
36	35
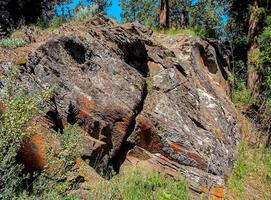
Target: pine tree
143	11
102	4
164	14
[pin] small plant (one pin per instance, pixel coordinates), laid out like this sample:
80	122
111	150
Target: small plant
136	184
48	94
86	12
12	43
240	171
56	22
19	108
70	149
241	95
251	175
149	82
177	31
254	56
265	59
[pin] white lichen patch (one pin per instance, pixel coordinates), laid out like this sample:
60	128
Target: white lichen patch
207	99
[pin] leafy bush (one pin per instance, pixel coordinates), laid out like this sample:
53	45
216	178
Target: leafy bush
240	69
71	148
12	43
138	184
203	32
54	185
19	108
56	22
45	187
85	13
265	58
254	56
241	95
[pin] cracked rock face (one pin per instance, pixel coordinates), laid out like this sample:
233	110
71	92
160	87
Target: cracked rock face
164	104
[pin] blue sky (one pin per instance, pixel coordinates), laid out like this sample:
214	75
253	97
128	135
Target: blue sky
113	11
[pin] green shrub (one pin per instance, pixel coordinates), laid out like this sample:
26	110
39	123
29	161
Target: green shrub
254	56
46	188
138	184
241	95
203	32
240	70
20	107
61	161
55	185
85	13
56	22
192	31
12	43
265	59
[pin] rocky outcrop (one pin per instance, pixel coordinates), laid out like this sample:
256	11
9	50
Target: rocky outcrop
165	103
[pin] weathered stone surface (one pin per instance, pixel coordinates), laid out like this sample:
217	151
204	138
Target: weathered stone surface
125	90
96	86
200	182
190	119
32	153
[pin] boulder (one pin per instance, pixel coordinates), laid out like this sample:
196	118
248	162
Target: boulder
126	91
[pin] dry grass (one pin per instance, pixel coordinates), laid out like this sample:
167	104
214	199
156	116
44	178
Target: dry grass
38	36
251	175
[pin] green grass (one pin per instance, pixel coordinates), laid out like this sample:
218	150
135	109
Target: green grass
138	184
240	171
56	22
251	176
12	43
190	31
149	82
177	31
241	95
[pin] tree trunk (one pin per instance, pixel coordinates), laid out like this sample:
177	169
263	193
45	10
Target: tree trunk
184	18
255	27
164	14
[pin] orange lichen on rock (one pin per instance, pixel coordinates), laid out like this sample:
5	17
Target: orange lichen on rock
215	193
122	126
87	106
144	130
177	147
32	153
144	135
20	61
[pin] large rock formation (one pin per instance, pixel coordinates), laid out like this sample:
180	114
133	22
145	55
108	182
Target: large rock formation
164	104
